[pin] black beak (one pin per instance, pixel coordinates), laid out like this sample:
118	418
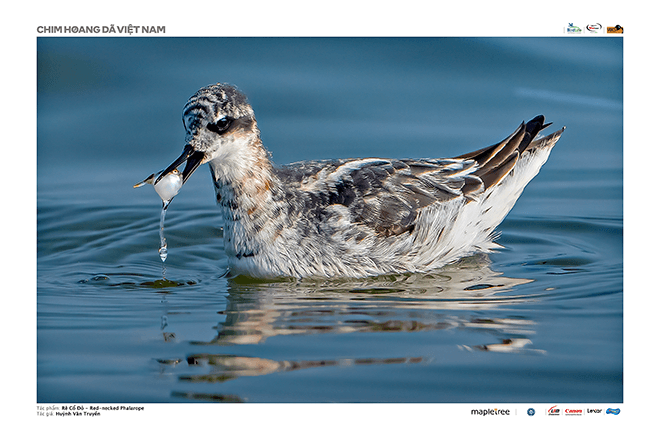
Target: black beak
192	158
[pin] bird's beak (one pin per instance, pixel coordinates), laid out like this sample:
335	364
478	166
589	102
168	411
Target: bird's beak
192	158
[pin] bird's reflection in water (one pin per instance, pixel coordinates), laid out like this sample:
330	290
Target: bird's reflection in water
402	303
457	298
226	367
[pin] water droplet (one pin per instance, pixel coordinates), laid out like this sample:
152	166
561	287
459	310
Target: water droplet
162	251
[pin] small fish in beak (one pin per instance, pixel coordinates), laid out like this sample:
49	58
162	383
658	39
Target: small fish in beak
168	182
167	186
192	158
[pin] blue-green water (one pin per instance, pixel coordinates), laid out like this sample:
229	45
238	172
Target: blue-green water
539	321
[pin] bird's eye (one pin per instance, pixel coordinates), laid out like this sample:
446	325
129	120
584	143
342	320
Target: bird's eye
220	126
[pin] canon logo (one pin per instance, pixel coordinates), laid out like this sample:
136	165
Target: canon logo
573	412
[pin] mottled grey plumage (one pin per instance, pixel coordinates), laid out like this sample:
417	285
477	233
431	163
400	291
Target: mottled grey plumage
351	217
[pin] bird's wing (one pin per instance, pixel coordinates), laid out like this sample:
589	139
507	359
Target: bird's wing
386	195
383	195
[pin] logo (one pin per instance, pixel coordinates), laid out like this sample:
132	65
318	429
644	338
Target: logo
594	411
554	411
613	411
571	29
531	412
594	28
491	412
615	29
573	412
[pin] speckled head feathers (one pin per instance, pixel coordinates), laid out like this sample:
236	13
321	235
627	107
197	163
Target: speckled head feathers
212	102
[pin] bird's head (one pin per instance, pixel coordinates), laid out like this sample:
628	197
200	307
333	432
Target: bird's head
219	122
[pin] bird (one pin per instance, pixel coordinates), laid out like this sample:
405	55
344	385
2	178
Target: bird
350	218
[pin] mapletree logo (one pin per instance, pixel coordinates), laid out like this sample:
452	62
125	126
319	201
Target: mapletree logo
573	412
491	412
554	411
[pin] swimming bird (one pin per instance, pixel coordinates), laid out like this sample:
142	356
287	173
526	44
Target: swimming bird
350	217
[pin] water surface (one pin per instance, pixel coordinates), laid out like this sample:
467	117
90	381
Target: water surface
539	321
